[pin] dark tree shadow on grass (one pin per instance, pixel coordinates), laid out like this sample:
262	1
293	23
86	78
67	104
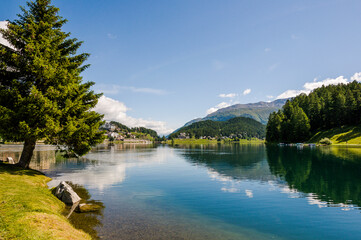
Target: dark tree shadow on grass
13	169
355	133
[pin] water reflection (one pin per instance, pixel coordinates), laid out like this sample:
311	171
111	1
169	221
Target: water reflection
325	176
214	191
321	174
90	221
231	162
106	165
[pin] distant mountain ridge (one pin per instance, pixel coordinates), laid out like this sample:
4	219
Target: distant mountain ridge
259	111
240	127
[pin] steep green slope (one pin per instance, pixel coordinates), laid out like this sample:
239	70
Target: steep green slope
240	126
341	135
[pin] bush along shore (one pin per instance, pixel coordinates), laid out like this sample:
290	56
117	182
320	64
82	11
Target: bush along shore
28	209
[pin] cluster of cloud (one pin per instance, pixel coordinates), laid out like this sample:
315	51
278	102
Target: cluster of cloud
247	91
229	95
3	25
114	110
309	86
112	89
219	106
231	102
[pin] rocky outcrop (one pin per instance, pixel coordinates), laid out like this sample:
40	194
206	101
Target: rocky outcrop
66	194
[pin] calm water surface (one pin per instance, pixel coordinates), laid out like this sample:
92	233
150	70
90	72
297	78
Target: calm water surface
213	192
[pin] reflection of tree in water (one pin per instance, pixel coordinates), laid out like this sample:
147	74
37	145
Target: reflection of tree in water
234	160
88	222
313	171
122	146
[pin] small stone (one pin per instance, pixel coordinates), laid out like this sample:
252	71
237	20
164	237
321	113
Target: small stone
10	160
66	194
83	207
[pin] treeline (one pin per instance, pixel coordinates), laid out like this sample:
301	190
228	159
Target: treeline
126	129
324	108
240	126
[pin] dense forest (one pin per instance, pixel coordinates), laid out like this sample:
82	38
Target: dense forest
323	109
240	126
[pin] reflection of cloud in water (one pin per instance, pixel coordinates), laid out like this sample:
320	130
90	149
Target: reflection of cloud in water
249	193
215	176
313	199
230	190
231	185
111	167
291	192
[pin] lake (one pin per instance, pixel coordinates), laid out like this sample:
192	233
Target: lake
212	191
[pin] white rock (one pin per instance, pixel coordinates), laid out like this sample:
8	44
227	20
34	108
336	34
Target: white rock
10	160
66	194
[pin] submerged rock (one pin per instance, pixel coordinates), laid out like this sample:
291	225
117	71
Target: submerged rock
83	207
66	194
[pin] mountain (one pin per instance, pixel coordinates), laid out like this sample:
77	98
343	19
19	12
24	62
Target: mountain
258	111
241	127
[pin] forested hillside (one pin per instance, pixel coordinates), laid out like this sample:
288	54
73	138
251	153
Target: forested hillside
323	109
240	126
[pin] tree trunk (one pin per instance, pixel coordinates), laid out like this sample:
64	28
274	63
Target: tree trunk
27	153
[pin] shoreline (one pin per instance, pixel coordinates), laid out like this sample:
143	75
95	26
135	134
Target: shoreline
28	209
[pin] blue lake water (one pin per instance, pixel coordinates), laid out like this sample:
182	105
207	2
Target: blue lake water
215	192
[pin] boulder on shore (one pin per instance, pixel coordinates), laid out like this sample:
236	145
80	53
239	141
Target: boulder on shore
10	160
66	193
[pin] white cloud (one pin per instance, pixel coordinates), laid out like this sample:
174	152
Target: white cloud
114	89
247	91
357	77
267	49
147	90
270	96
290	93
309	86
229	95
219	106
3	25
117	111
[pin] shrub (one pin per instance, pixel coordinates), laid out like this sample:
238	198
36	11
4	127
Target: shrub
325	141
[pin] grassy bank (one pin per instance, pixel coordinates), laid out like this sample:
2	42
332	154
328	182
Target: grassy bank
206	141
28	210
342	135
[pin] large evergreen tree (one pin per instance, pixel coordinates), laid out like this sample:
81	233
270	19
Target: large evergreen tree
42	96
324	108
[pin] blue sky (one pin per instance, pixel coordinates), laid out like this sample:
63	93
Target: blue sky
163	63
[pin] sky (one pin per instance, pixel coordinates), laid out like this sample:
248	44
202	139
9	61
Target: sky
163	63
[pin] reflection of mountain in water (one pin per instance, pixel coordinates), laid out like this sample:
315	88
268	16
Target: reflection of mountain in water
234	161
326	177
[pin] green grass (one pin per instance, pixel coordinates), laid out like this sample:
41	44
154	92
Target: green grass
340	136
28	210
